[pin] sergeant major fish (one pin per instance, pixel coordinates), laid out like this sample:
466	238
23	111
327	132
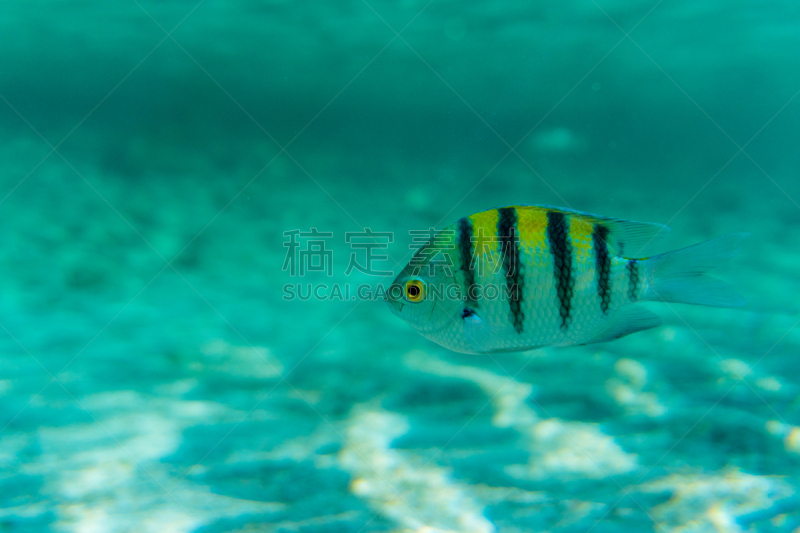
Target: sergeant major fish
565	276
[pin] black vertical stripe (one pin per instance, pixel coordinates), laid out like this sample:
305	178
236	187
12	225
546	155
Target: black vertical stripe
561	250
633	279
465	252
602	266
509	249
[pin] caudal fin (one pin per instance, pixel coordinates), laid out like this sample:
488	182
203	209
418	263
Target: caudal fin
680	276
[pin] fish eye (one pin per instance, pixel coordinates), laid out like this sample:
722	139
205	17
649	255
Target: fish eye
415	290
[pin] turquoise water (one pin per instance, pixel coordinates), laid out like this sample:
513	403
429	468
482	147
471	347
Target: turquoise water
154	153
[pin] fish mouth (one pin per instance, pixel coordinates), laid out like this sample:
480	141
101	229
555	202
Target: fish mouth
395	305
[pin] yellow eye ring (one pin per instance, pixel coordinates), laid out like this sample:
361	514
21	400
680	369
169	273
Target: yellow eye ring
414	290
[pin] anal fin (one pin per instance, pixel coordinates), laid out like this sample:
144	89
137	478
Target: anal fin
626	321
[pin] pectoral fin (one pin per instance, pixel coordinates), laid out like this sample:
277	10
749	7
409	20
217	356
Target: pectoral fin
483	338
476	331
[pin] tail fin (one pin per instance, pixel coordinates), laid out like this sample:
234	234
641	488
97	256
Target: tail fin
680	276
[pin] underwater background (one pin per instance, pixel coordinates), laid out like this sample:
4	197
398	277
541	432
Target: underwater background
159	157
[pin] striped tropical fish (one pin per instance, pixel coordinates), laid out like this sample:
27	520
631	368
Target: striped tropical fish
524	276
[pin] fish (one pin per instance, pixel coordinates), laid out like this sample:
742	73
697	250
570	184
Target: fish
523	277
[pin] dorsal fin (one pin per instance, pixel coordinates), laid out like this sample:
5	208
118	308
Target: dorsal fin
626	238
